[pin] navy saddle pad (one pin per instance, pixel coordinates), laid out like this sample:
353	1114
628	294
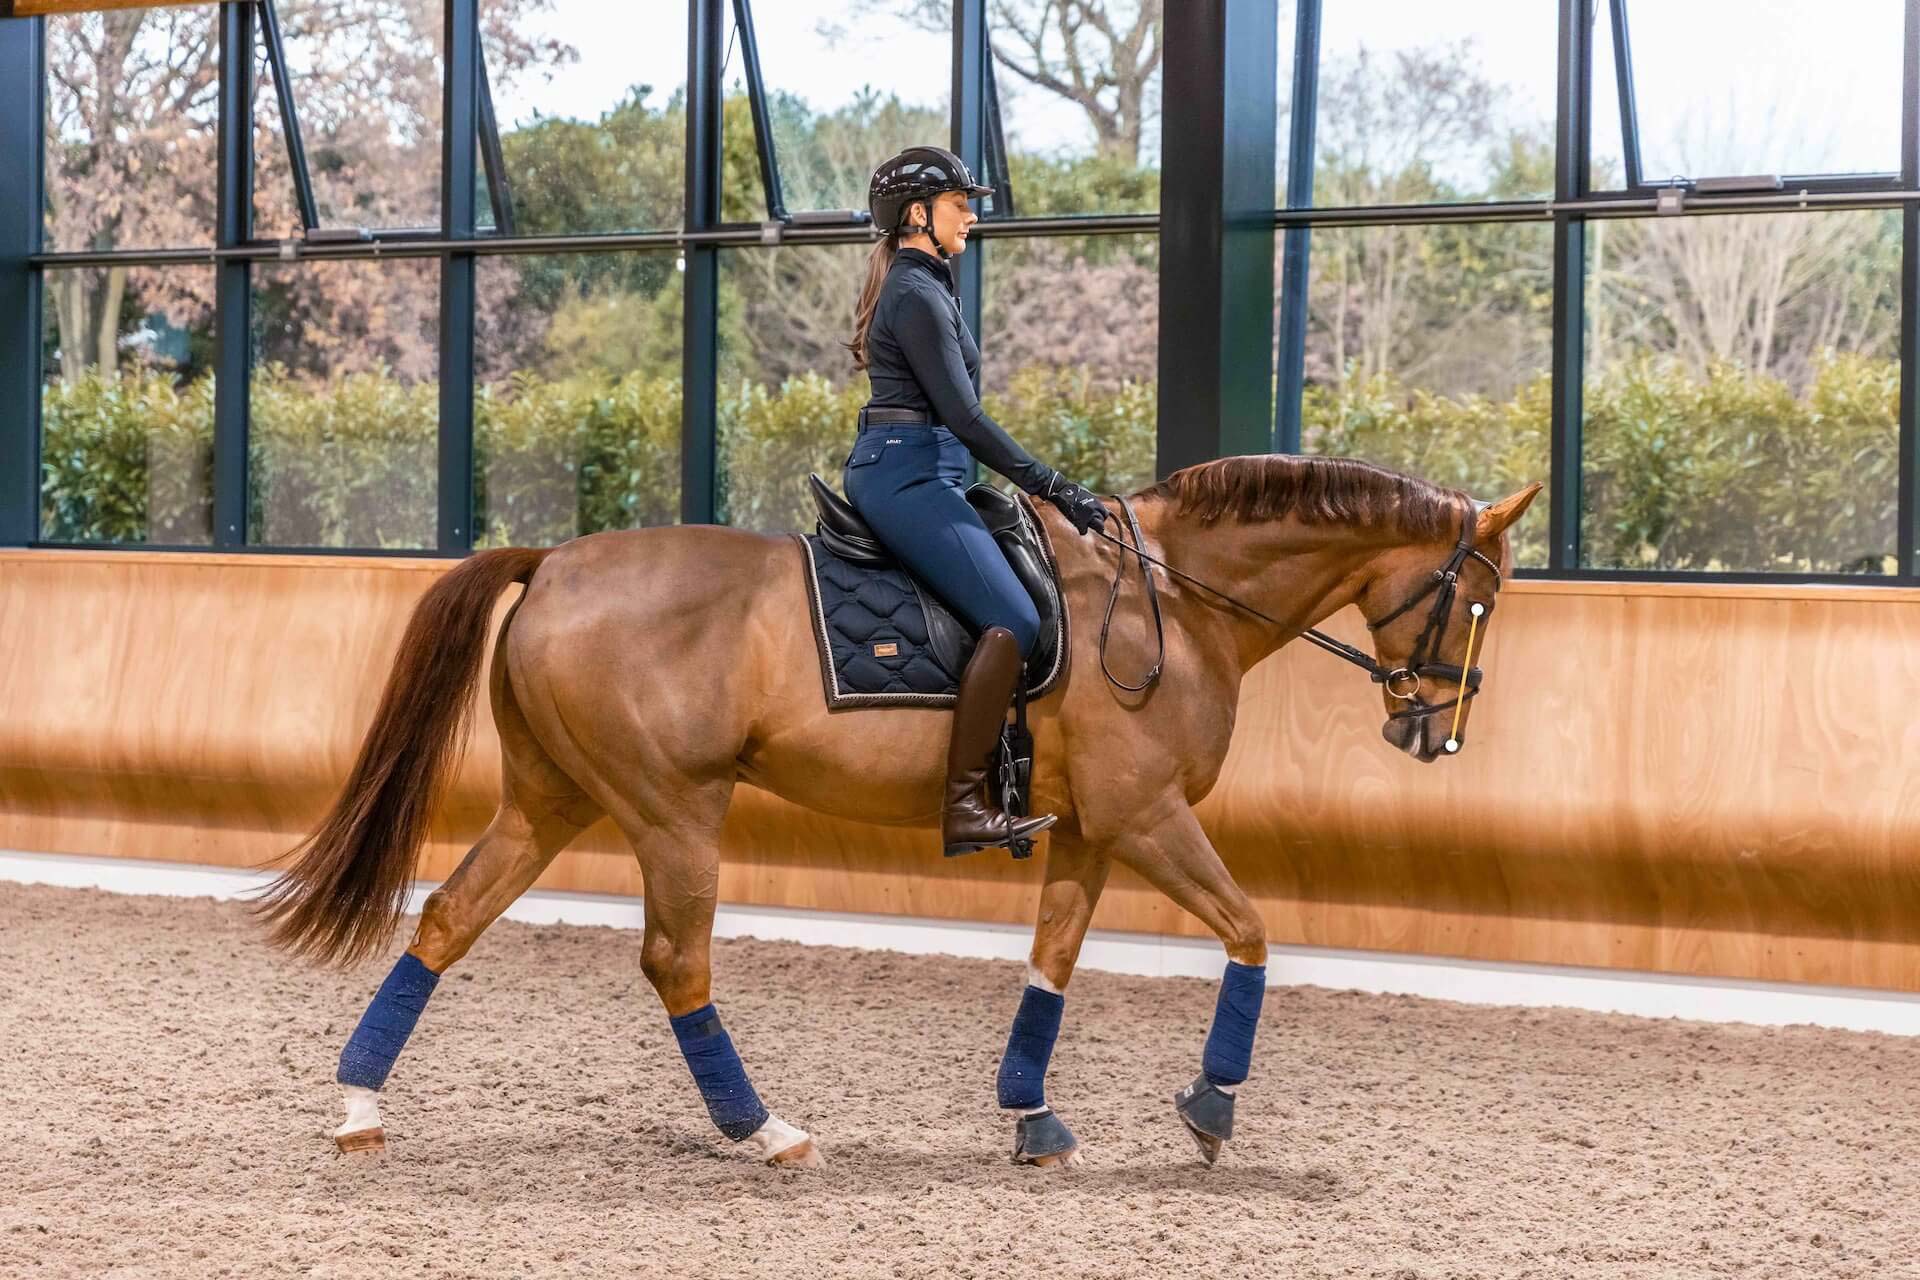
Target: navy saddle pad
884	639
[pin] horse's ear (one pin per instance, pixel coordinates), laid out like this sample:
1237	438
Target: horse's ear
1496	519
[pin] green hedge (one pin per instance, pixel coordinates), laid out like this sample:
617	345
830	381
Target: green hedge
1730	471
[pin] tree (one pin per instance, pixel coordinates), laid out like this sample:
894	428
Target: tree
132	106
1100	55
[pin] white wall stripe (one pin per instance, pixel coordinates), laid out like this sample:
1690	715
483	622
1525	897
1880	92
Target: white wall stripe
1468	981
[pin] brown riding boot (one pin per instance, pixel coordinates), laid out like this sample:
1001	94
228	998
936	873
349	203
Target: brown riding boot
969	822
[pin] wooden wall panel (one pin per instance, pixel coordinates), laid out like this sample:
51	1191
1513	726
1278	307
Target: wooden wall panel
1708	780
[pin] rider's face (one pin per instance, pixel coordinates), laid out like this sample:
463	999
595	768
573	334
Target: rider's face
953	218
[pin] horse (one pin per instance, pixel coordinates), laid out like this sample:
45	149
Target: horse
605	694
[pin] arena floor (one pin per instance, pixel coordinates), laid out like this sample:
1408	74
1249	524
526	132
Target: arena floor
165	1107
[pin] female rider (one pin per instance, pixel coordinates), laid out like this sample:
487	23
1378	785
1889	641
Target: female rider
908	466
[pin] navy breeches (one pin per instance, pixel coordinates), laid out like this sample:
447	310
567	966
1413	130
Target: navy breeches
909	484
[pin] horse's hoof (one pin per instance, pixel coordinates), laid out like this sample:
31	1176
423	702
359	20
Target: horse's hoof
802	1155
1209	1145
1207	1112
1063	1160
1043	1140
368	1142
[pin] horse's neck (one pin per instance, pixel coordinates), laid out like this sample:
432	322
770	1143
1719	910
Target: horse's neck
1297	574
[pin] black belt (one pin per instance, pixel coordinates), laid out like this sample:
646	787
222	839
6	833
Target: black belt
895	418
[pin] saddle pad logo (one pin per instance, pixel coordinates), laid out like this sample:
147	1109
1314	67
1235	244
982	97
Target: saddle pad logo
889	650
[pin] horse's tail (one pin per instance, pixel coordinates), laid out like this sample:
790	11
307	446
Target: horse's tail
344	895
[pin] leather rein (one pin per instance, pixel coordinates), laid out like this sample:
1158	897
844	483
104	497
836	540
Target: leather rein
1403	682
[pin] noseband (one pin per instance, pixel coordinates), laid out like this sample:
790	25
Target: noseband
1402	682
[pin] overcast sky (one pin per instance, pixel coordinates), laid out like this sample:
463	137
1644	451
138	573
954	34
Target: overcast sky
1749	85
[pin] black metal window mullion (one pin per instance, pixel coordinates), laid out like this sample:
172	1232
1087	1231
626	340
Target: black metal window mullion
700	329
289	115
1907	519
1569	285
233	278
22	141
493	154
1296	254
1629	108
757	103
999	163
459	112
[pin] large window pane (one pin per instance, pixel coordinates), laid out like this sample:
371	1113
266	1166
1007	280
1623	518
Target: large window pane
1766	86
1424	103
366	84
1080	102
846	89
1742	393
132	104
1069	345
344	444
127	410
1429	350
577	408
591	100
789	393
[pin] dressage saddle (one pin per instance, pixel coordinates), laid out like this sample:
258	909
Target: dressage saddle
843	532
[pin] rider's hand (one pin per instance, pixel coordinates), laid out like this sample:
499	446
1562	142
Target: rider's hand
1082	510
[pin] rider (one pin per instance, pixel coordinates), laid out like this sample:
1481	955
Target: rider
908	466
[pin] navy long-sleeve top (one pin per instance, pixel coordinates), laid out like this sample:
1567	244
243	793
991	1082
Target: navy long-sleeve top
920	356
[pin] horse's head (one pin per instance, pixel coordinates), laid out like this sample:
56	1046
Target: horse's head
1429	622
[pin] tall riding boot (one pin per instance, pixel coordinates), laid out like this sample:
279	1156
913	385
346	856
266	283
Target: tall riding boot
970	823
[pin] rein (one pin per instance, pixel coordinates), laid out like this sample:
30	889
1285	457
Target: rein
1443	583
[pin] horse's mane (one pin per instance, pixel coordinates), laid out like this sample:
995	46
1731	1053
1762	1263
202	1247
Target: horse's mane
1315	490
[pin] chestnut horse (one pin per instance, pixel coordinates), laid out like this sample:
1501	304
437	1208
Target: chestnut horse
645	674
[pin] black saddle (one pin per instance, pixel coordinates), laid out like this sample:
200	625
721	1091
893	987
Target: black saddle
843	532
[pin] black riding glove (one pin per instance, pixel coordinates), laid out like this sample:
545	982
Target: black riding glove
1082	510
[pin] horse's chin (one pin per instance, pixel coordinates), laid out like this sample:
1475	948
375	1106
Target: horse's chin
1411	737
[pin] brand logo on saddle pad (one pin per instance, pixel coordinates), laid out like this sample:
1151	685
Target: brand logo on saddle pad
886	651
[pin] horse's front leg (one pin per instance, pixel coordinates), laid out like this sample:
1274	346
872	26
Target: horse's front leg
1173	854
1075	875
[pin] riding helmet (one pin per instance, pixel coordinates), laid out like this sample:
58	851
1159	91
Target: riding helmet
918	173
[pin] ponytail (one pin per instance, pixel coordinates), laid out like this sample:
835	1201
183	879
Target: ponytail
878	264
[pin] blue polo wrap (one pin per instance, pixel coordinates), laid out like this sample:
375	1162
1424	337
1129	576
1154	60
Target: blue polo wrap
1023	1068
736	1109
387	1023
1236	1015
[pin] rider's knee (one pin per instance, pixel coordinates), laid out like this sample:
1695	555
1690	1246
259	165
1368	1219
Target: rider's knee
1024	622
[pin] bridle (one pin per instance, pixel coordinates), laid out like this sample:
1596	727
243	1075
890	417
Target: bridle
1402	682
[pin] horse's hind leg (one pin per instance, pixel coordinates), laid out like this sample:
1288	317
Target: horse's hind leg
1076	873
541	810
508	858
680	865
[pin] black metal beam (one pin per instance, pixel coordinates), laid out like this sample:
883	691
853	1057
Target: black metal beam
762	111
969	140
1216	232
700	329
1907	548
1569	284
1629	108
233	277
22	83
493	154
289	115
459	115
999	161
1295	268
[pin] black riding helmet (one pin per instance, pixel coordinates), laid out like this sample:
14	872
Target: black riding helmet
916	174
